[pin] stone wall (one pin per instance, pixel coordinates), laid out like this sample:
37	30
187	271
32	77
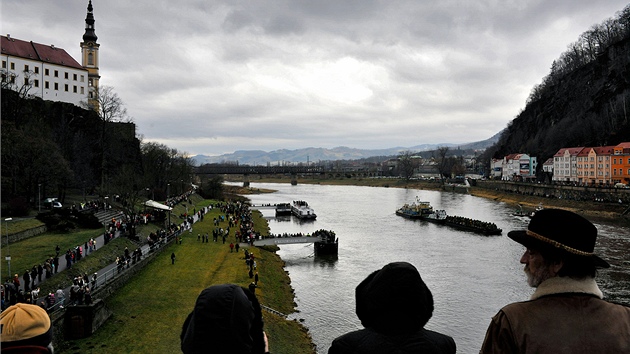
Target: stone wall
19	236
567	192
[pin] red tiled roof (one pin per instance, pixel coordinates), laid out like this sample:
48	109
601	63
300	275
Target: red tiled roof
572	151
35	51
604	150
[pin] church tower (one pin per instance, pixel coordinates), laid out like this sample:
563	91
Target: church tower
89	58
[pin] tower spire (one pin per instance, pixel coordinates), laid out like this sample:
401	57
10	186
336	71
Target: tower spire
90	59
90	35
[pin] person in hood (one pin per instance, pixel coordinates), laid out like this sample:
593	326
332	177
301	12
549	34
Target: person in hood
226	319
394	305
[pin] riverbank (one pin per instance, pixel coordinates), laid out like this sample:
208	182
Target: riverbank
599	211
148	312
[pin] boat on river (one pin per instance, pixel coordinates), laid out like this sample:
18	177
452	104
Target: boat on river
478	226
301	210
520	212
283	209
329	243
422	210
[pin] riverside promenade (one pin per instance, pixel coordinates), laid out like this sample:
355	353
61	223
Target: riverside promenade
109	272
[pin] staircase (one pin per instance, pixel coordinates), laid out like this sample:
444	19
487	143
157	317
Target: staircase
106	216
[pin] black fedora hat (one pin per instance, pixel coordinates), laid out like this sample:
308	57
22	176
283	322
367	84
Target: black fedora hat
561	230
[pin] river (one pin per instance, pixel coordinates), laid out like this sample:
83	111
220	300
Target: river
471	276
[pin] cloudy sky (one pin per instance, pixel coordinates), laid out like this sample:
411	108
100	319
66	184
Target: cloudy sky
212	77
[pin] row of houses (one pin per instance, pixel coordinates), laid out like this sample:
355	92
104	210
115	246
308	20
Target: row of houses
602	165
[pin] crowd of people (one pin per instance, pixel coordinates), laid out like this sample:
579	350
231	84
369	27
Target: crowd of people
566	313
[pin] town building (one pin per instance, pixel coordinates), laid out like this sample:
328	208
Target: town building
565	164
49	72
621	164
518	167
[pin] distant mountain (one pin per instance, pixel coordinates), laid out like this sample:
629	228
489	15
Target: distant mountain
259	157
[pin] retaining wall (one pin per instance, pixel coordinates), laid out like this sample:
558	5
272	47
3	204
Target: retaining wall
19	236
568	192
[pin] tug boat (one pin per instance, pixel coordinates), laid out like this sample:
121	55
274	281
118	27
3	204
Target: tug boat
301	210
422	210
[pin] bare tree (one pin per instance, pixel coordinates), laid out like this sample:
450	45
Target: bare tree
406	163
443	163
110	107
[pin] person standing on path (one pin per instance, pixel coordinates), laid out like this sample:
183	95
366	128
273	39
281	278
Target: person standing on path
173	258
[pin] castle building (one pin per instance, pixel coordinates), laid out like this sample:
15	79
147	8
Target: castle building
49	72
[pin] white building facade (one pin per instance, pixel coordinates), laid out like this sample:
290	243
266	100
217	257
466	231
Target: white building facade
43	71
50	73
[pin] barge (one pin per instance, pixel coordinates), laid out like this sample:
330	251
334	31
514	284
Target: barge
424	211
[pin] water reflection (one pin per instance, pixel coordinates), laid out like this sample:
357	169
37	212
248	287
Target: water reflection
471	276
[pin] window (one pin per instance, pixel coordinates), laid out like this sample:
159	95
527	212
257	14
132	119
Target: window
37	70
82	90
74	88
46	85
26	68
26	81
4	64
56	86
91	95
90	82
12	66
65	87
46	72
66	76
36	83
90	58
56	73
82	78
74	77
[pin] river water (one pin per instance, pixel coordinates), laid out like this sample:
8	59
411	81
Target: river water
471	276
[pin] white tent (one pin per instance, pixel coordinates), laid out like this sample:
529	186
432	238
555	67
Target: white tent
156	205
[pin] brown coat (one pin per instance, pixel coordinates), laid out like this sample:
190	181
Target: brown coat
564	316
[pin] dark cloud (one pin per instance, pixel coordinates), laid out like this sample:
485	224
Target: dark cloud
218	76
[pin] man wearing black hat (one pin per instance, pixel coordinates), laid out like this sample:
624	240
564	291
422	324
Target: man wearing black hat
566	313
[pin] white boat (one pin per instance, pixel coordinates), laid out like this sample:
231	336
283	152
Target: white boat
301	210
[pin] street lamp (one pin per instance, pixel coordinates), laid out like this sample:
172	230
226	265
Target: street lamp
168	190
8	256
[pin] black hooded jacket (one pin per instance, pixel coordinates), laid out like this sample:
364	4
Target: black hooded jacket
226	319
393	304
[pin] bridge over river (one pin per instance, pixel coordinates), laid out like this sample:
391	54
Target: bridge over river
246	170
284	240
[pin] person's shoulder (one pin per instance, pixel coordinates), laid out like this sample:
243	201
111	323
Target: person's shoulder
443	343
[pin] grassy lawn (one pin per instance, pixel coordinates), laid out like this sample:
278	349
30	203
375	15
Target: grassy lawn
35	250
149	311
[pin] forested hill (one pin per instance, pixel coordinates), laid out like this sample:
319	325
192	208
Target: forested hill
584	101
